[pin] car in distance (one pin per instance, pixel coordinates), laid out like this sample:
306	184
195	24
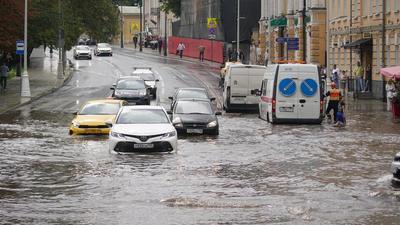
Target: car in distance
190	93
131	89
103	49
195	117
82	51
142	129
396	168
92	117
146	74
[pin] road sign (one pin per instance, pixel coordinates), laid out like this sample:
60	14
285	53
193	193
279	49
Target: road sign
212	23
281	40
309	87
287	87
20	47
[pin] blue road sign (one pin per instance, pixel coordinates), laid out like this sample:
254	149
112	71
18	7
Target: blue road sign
20	47
281	40
309	87
287	87
293	47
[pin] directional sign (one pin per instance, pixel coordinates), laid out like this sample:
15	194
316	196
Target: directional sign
281	40
287	87
293	47
20	47
309	87
212	23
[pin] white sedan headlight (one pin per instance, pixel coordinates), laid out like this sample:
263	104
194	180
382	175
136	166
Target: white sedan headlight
117	135
169	134
212	124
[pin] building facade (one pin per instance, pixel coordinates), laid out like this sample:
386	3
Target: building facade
293	30
365	31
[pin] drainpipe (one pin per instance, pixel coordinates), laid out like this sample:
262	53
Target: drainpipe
304	31
383	44
351	50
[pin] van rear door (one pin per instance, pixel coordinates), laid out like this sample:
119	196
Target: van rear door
287	93
309	94
256	75
239	78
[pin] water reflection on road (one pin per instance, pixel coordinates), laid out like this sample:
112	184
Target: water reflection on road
253	173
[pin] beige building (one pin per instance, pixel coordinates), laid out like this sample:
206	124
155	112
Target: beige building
282	19
130	21
366	31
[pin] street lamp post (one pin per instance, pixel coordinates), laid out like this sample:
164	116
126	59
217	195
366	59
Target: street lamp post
141	28
238	32
25	87
60	67
122	26
165	34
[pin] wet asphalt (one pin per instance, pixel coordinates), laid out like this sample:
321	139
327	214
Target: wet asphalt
252	173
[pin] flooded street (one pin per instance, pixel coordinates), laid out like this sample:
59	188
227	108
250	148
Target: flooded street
252	173
257	174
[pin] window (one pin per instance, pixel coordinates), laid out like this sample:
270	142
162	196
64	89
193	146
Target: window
356	9
388	5
339	13
364	7
344	57
377	6
370	10
339	58
345	8
396	5
396	55
388	55
377	47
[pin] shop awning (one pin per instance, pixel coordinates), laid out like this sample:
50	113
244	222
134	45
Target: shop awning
358	43
392	72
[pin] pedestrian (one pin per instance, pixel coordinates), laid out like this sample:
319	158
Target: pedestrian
390	93
135	40
241	56
334	98
340	115
359	75
335	75
160	44
3	75
230	54
343	80
201	53
266	57
180	49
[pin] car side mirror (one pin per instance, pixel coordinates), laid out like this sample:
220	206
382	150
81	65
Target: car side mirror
112	88
212	99
169	112
218	113
157	80
109	124
75	113
171	98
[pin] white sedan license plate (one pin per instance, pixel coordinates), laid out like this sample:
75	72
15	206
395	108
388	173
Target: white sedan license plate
143	145
194	131
286	109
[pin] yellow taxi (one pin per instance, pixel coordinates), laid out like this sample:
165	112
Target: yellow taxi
92	117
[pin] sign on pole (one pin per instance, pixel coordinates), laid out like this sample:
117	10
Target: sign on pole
20	47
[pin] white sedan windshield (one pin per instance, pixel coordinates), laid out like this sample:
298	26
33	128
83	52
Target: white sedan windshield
142	116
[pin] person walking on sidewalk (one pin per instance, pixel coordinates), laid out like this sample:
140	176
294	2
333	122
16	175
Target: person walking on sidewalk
180	49
160	45
334	99
335	75
359	75
135	39
3	75
201	53
390	93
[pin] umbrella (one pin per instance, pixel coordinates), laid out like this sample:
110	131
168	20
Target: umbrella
392	72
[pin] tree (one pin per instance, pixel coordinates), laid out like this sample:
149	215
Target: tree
173	6
12	21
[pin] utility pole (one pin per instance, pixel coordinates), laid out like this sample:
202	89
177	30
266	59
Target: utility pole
25	87
384	44
141	27
122	26
304	31
60	67
165	34
238	32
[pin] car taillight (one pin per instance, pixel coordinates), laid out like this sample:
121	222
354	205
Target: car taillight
273	105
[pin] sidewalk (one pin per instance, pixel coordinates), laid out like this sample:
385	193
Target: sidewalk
42	78
214	65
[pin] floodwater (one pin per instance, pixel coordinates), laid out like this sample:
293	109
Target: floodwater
253	173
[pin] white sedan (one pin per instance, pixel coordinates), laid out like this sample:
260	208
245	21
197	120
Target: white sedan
103	49
396	168
142	129
82	51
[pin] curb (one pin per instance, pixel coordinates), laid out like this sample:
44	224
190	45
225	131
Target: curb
41	95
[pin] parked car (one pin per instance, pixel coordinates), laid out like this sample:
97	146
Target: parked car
291	93
103	49
396	168
131	89
195	117
92	117
146	74
239	81
190	93
142	129
82	51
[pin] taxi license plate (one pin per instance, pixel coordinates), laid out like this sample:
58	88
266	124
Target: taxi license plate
194	131
286	109
94	131
143	145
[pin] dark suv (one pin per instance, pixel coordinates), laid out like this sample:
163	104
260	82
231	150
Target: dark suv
131	89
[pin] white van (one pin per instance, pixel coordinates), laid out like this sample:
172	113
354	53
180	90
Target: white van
239	81
291	93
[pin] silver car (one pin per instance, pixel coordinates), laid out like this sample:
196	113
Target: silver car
103	49
396	168
82	51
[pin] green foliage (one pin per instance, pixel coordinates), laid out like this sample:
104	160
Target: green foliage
173	6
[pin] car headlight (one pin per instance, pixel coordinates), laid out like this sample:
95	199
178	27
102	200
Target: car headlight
75	124
169	134
143	92
117	135
177	122
212	124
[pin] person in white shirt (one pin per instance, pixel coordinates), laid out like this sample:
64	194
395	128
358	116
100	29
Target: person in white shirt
180	49
390	93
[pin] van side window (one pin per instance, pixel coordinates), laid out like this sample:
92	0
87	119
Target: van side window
264	87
